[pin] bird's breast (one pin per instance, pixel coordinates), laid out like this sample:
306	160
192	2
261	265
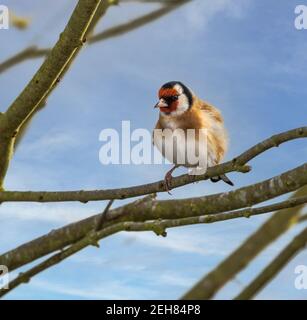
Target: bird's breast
180	147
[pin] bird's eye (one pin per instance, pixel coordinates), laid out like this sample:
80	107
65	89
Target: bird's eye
171	99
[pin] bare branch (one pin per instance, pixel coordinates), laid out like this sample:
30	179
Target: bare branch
101	10
103	217
28	53
45	79
157	209
35	52
25	277
148	213
138	22
237	164
157	226
207	287
295	246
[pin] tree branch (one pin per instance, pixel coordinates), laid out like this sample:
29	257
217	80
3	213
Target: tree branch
35	52
296	245
157	209
146	214
32	52
25	277
45	79
157	226
138	22
237	164
101	10
207	287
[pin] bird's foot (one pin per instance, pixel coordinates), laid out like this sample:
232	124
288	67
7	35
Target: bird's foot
168	179
168	182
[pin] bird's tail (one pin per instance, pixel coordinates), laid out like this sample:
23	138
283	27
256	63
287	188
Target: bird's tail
222	177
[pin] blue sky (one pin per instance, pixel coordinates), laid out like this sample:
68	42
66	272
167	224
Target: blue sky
244	56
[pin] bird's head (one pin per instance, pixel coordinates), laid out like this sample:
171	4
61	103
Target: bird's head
174	99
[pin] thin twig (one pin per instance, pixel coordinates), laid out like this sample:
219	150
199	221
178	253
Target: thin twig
32	52
138	22
103	217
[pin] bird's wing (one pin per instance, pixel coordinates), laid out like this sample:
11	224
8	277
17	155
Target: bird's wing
213	111
217	136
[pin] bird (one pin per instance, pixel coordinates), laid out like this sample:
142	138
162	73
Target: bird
180	110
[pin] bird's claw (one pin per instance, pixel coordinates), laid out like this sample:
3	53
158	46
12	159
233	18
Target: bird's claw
168	182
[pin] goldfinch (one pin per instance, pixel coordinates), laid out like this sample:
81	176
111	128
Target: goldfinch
181	109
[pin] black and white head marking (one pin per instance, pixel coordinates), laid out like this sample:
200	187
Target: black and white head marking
185	97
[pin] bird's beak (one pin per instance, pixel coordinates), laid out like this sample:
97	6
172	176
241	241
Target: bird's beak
161	104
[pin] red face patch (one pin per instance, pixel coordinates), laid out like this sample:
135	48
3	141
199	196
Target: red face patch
173	107
166	93
169	92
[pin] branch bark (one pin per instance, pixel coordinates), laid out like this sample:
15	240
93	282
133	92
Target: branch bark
288	253
159	227
207	287
45	79
148	213
34	52
25	277
238	164
157	209
138	22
